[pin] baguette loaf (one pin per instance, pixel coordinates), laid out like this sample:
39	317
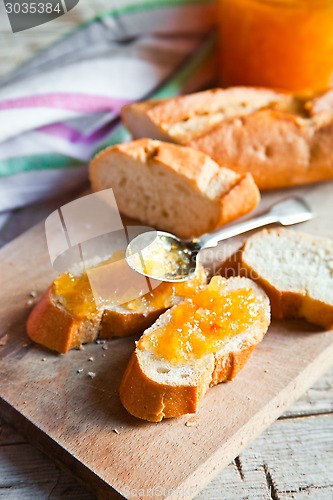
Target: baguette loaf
281	139
172	188
68	315
295	270
197	344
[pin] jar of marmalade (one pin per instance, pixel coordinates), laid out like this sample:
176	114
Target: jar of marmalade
286	44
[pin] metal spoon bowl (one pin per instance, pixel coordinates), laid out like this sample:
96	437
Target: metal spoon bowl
163	256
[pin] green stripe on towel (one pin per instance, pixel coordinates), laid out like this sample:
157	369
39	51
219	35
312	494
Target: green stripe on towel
36	162
153	4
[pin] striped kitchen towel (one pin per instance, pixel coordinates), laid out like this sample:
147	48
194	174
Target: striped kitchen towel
63	106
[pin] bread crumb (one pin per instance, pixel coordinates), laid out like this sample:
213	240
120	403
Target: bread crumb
80	347
4	340
99	341
24	402
192	422
43	359
79	370
25	345
265	371
91	374
91	358
33	294
104	355
105	347
115	431
29	303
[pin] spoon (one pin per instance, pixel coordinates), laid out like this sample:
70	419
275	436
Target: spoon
163	256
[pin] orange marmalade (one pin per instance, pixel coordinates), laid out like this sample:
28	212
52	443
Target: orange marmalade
203	323
278	43
76	294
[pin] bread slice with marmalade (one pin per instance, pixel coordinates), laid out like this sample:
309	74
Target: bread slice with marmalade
203	341
70	314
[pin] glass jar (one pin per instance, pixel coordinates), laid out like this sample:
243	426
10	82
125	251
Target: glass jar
286	44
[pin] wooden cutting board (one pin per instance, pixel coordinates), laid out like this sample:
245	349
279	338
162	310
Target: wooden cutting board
79	420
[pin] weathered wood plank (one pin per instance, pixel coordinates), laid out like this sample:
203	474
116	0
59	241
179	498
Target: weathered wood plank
292	459
8	435
317	400
27	474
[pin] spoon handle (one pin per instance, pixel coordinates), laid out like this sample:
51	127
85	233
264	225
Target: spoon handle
286	212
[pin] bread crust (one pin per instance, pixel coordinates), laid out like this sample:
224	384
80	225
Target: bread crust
286	141
121	324
241	199
51	326
187	162
146	399
292	305
196	168
285	304
159	115
279	150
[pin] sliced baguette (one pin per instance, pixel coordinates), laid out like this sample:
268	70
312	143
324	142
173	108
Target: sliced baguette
295	270
182	119
55	326
281	139
154	388
172	188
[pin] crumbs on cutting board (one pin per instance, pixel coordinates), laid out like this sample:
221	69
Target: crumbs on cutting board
32	300
91	374
192	422
4	340
105	347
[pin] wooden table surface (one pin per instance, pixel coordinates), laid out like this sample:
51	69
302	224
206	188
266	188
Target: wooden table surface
292	459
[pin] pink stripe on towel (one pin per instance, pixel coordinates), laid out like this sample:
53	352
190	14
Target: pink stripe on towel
72	102
74	136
